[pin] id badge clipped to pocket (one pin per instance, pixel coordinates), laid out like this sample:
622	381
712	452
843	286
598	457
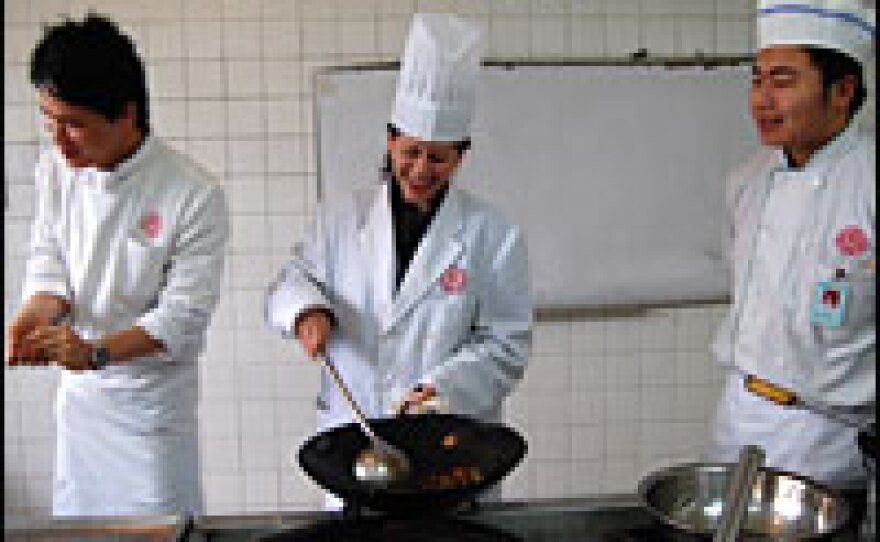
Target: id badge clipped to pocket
829	303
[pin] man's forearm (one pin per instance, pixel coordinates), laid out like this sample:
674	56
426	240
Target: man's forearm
129	344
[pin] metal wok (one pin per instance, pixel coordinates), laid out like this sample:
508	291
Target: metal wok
782	506
493	449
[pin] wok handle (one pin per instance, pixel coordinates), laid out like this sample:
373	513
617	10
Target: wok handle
739	489
340	385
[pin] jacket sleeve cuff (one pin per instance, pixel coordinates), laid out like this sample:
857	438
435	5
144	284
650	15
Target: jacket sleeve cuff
443	390
172	340
283	308
32	288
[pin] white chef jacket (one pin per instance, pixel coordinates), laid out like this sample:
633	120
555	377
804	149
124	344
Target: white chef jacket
784	225
460	321
140	245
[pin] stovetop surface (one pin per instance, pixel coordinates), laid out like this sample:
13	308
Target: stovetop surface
617	520
585	519
588	519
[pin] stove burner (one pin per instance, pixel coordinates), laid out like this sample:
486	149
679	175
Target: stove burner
393	529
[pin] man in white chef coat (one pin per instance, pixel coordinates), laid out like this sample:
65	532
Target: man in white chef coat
800	339
123	275
414	289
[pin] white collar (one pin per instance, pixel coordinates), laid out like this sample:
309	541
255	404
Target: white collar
107	180
826	155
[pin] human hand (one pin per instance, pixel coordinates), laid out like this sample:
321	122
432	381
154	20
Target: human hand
20	351
312	329
60	345
415	398
41	309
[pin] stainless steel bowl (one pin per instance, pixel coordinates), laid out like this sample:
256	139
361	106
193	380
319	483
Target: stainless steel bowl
783	506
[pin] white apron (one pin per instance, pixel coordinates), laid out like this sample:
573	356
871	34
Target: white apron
121	452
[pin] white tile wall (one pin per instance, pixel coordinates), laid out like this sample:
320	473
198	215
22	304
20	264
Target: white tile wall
608	395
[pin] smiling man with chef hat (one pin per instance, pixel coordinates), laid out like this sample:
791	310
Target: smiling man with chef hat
415	290
800	338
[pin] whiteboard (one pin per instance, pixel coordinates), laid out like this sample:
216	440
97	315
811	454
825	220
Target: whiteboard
615	173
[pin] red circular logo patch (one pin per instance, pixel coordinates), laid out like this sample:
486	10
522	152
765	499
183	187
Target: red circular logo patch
152	225
453	280
851	241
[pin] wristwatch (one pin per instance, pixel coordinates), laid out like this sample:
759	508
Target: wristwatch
99	357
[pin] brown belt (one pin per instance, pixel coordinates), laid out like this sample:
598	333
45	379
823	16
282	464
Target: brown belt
771	392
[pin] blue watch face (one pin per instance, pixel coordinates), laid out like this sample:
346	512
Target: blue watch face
99	357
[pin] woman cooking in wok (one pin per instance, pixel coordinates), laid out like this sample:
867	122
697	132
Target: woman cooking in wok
414	290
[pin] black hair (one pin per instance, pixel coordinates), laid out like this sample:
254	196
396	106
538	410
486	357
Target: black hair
834	66
91	64
460	146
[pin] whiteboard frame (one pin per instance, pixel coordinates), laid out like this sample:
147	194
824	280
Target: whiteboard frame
636	59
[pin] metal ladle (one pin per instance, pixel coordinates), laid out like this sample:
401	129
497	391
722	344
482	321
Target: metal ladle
380	464
736	502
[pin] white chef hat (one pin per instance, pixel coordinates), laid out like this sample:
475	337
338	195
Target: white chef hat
436	88
847	26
